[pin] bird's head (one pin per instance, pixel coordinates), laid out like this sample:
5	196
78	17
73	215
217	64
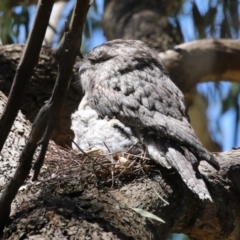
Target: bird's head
116	57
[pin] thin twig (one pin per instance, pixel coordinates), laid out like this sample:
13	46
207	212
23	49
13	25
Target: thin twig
126	168
50	112
25	68
87	155
106	147
24	71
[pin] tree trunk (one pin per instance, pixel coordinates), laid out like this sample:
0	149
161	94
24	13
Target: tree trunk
78	197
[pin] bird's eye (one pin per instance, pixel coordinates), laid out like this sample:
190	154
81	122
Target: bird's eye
83	67
100	59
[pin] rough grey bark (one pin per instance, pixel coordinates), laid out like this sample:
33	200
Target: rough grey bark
74	198
14	144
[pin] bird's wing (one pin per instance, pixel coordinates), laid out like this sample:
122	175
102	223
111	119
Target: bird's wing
141	101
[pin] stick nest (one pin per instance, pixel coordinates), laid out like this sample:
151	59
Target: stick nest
93	167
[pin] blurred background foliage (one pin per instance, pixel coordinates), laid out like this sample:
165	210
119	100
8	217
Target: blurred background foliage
197	19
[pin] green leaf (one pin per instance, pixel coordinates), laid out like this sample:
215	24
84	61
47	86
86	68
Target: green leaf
147	214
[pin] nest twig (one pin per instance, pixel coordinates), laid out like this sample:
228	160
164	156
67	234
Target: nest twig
106	169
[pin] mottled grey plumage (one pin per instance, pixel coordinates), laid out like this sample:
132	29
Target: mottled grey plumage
124	79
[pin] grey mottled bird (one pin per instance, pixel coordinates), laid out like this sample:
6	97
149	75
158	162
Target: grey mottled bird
125	80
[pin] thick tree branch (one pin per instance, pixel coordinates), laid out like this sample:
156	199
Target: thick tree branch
74	198
202	61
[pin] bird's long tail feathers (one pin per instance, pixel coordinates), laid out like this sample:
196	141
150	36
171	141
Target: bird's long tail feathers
189	175
182	133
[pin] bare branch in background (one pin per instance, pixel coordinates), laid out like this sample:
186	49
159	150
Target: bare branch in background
203	61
